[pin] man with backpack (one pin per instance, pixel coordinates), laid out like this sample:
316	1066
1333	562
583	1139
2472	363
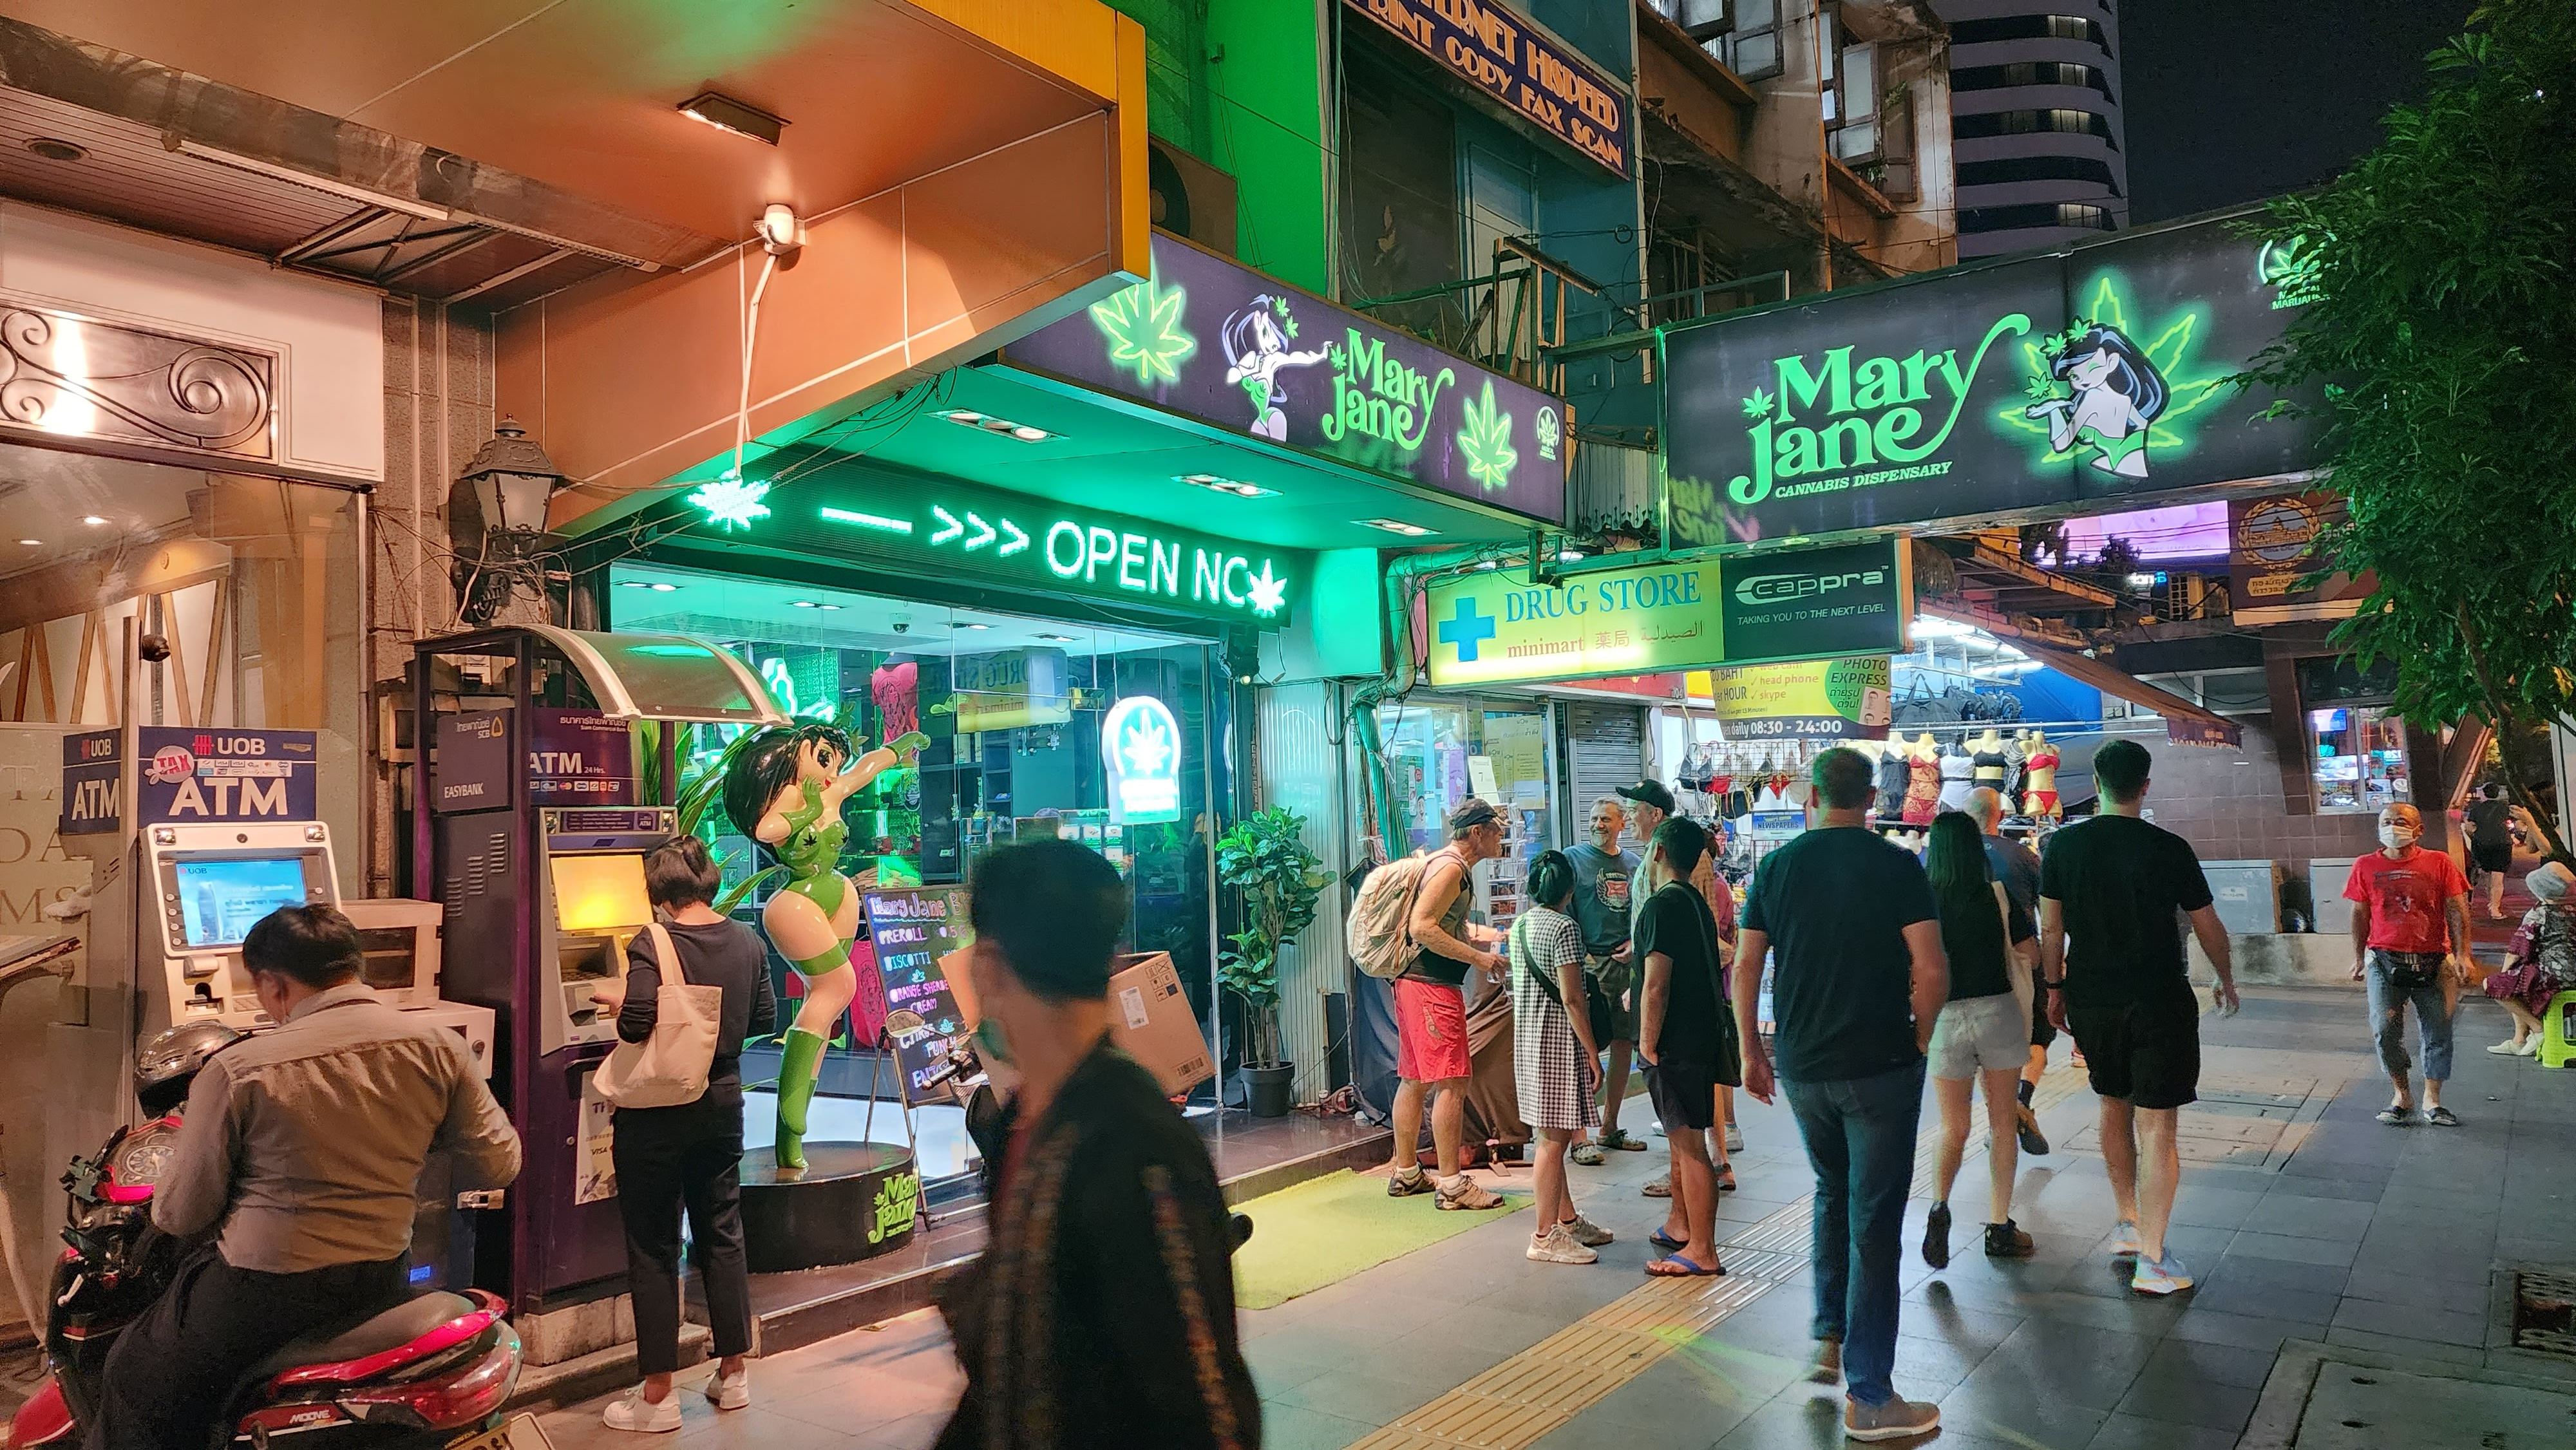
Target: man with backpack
1431	1011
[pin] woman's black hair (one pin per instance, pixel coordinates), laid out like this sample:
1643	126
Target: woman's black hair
1238	337
1551	879
766	764
682	872
1963	888
2132	376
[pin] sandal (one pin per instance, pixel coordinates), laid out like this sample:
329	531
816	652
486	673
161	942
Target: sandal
2442	1118
1665	1241
1660	1186
1618	1141
2396	1117
1726	1180
1674	1266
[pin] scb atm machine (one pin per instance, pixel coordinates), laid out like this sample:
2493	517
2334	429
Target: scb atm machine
529	831
225	829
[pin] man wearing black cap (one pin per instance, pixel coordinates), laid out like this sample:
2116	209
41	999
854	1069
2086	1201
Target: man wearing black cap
1102	1310
1431	1054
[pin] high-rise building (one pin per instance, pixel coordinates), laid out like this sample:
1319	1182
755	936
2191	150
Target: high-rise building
2035	107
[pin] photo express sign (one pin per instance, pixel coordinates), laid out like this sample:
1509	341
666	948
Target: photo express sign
1843	699
1498	51
1232	348
1983	391
1498	627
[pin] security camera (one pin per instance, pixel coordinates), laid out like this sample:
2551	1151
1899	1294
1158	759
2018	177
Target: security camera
781	230
902	624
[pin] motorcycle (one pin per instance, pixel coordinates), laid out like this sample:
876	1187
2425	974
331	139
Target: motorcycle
431	1373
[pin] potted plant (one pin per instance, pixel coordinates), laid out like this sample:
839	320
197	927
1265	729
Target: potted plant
1264	856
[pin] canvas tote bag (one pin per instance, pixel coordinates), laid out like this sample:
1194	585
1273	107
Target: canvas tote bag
668	1068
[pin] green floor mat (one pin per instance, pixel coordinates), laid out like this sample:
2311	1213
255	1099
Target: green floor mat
1326	1229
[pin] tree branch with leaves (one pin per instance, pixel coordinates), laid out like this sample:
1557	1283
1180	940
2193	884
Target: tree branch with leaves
2437	337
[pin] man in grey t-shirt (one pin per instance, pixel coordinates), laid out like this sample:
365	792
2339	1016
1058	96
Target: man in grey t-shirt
1604	888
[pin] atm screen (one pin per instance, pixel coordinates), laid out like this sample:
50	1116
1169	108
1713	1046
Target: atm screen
598	893
220	900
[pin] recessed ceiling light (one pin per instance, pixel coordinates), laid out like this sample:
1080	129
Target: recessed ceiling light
93	520
56	150
727	114
987	423
1055	638
663	588
967	416
968	624
803	604
1027	434
33	543
1234	486
1568	556
1395	526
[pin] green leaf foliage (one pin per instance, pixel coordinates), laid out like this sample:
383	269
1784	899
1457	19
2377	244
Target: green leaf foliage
2440	332
1264	856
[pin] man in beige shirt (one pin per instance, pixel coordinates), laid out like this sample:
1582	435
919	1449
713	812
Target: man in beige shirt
301	1147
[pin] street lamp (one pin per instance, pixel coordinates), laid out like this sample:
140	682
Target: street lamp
496	521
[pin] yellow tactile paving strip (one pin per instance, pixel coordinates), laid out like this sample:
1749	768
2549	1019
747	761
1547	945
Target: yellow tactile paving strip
1521	1400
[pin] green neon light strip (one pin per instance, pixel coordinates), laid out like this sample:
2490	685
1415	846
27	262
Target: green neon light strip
867	521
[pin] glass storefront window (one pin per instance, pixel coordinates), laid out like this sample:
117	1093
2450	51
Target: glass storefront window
1015	708
2357	754
254	583
1441	751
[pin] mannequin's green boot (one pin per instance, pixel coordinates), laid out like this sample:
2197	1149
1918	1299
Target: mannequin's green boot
796	1065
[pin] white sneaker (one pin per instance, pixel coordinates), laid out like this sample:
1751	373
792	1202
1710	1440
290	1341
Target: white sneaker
730	1392
2530	1046
1587	1233
2124	1240
1556	1246
1734	1139
2506	1048
643	1416
2159	1276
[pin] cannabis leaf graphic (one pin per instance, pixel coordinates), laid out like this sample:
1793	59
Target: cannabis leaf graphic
2190	383
1144	332
730	502
1267	591
1486	441
1758	406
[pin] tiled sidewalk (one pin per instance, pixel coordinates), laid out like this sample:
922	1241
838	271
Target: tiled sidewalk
2349	1233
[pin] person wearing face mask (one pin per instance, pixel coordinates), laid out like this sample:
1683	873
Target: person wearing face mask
1102	1312
2410	940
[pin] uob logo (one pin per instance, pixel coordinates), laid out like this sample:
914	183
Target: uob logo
1872	413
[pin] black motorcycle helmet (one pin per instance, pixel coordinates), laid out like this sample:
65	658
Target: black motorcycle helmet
166	1065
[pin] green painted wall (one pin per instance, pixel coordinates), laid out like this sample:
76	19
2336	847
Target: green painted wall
1238	84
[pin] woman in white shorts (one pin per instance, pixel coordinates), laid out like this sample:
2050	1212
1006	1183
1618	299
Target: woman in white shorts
1983	1032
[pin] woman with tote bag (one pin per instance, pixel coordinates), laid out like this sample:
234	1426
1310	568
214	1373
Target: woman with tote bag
687	1154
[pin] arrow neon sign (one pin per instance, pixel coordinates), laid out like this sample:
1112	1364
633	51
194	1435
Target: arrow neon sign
1102	555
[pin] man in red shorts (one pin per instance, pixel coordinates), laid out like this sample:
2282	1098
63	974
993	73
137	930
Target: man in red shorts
1431	1009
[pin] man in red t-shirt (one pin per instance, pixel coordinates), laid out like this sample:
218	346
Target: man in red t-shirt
2410	938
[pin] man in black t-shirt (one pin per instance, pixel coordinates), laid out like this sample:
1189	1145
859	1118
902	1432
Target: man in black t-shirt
1688	1044
2112	894
1858	979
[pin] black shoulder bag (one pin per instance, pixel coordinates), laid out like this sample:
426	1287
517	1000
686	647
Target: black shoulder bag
1596	1003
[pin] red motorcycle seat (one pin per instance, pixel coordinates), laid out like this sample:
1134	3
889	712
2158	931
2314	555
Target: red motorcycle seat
370	1347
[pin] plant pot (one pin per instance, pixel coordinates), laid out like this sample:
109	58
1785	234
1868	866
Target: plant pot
1265	1089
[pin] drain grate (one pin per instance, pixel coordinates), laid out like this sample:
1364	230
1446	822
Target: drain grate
2544	1311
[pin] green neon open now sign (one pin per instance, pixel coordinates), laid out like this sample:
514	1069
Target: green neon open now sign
958	529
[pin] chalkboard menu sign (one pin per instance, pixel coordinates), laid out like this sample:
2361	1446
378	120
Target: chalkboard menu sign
912	930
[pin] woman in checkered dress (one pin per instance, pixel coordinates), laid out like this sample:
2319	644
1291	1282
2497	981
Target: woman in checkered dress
1554	1059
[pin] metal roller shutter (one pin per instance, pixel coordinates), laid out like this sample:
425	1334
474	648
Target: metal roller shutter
1605	748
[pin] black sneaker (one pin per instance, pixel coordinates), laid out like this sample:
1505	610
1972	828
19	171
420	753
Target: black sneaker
1936	1237
2033	1141
1405	1185
2007	1241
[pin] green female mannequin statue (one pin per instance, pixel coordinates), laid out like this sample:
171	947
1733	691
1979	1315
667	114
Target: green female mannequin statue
785	790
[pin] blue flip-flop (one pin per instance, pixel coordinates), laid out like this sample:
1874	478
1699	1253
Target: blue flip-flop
1665	1241
1688	1269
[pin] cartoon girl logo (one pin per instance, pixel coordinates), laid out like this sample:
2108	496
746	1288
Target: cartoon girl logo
2117	394
1256	342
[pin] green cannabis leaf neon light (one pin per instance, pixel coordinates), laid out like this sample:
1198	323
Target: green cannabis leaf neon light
1142	326
2114	394
1486	442
730	502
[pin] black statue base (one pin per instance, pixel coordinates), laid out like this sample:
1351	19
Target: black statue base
852	1201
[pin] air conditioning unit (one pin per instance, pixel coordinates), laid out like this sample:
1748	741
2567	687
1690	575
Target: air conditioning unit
1190	198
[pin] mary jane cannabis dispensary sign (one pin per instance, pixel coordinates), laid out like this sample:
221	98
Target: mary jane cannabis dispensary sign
1982	391
1227	346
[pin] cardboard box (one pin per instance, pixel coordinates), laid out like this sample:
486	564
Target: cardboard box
1150	1020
